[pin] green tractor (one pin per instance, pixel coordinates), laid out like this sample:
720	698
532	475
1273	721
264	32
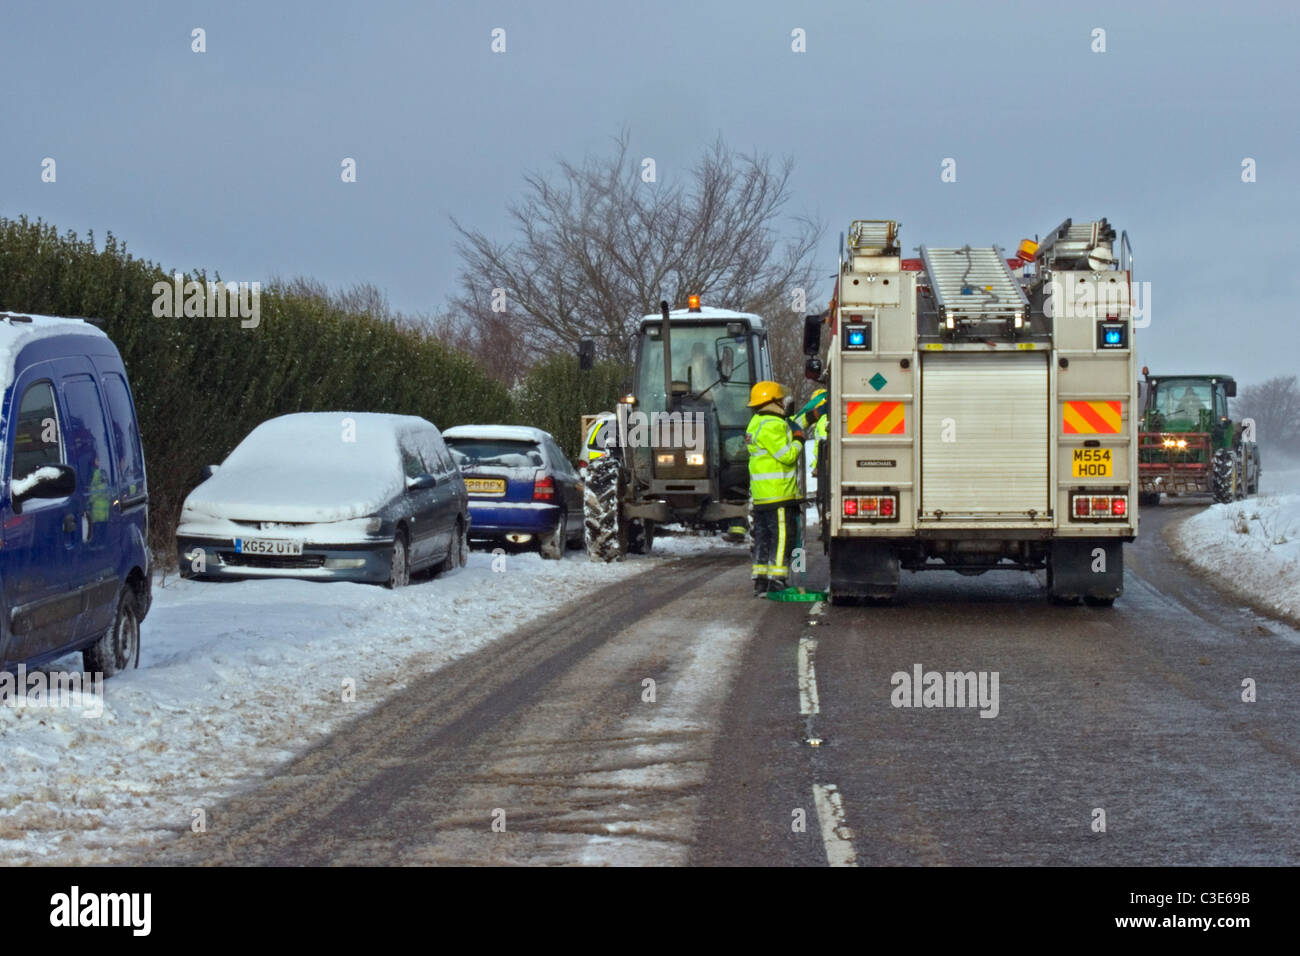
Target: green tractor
1188	444
674	447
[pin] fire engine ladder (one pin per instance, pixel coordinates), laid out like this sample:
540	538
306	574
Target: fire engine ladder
873	237
1076	242
973	286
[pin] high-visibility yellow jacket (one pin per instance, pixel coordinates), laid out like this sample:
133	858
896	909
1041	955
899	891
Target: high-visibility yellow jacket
773	461
98	496
819	433
596	443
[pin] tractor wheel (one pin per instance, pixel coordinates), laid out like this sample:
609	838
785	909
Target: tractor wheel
1224	477
604	524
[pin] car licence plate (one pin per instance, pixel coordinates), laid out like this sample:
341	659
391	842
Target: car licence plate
1091	463
272	546
485	486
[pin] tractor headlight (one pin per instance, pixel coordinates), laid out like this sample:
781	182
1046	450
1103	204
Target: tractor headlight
696	459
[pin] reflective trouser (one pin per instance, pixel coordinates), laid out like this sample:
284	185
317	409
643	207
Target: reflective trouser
775	534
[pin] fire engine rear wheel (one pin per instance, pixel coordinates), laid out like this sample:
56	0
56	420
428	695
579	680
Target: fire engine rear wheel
604	525
1224	478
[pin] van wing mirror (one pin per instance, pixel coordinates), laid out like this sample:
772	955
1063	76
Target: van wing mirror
1230	388
47	481
207	471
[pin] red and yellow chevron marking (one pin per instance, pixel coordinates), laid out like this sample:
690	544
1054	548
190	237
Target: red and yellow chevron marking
1092	418
875	418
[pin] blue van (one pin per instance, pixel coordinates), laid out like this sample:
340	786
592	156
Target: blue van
74	506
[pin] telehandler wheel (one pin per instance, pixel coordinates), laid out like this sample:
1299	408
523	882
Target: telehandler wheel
640	536
604	525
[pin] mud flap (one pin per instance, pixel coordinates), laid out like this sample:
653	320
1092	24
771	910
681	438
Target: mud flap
863	569
1088	568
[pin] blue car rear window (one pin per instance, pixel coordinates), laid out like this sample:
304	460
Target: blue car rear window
495	452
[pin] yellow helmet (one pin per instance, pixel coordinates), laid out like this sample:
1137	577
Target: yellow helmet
764	392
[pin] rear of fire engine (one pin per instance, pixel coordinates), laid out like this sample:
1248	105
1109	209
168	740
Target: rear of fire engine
981	412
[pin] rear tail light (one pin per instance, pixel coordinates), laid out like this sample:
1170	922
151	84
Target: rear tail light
1099	507
875	507
543	487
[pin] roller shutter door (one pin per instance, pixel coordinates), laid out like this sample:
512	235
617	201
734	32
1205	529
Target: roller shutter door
993	409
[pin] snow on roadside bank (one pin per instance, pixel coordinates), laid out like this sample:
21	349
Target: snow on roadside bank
1253	545
235	678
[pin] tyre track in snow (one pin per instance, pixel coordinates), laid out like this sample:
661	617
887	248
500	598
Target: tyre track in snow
547	725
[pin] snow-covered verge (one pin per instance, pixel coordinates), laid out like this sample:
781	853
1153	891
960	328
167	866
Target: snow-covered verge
1252	545
236	678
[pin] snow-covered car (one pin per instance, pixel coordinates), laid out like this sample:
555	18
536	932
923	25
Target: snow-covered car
329	496
522	488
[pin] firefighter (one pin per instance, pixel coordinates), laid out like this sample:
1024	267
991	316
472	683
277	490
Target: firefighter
774	449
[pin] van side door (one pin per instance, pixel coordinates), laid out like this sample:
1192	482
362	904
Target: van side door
40	560
102	529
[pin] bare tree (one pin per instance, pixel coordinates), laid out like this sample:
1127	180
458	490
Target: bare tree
596	247
1275	407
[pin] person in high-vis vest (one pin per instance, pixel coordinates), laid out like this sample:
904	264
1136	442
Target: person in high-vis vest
99	507
600	438
774	449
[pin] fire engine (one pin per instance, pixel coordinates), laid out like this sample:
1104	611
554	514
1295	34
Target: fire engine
982	411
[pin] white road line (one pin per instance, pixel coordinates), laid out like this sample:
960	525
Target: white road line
836	835
808	703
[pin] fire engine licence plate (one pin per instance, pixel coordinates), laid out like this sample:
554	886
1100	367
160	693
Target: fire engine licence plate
1091	463
485	486
271	546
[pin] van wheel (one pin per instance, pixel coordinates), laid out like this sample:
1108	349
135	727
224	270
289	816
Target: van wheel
399	571
458	556
119	648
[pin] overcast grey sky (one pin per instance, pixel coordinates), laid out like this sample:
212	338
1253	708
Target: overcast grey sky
230	159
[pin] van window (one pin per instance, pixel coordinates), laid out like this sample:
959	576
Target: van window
126	437
87	437
36	437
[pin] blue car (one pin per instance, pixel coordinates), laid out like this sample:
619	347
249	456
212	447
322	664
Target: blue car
522	488
74	510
